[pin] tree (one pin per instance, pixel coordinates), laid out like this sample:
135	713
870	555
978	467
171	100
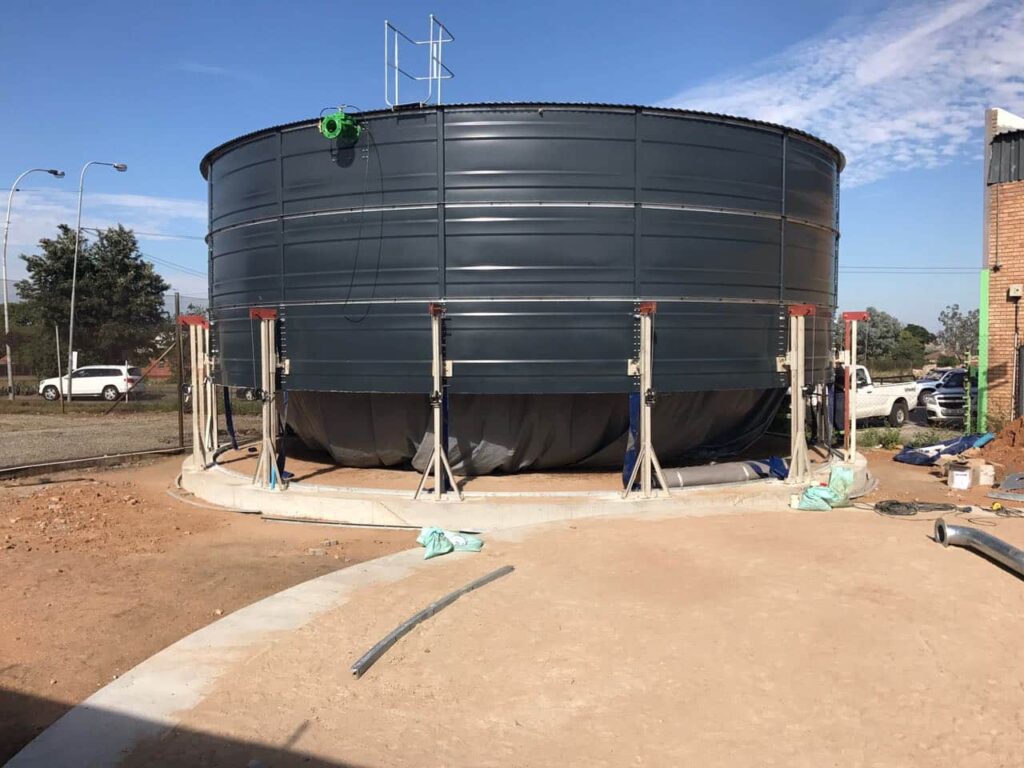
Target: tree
119	297
959	334
909	352
920	333
33	344
885	344
878	335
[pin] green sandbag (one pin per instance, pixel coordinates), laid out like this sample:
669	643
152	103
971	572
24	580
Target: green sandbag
835	494
438	541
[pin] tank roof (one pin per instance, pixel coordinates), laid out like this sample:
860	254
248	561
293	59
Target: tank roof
204	164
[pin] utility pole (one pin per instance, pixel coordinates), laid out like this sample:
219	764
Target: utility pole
181	371
120	168
57	174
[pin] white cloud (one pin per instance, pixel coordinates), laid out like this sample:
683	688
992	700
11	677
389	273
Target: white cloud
193	67
904	89
199	68
37	212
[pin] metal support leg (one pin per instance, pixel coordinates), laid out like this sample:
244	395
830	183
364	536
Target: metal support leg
198	454
799	464
850	320
437	464
267	475
198	337
647	465
852	453
210	439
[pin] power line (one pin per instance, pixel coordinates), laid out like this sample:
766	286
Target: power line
175	266
170	235
916	270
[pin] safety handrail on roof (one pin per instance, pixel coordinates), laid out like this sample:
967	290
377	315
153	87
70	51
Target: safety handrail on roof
437	71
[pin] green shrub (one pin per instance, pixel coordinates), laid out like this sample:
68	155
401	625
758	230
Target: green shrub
927	437
868	438
889	438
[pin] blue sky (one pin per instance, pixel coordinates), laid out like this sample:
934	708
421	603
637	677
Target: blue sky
900	87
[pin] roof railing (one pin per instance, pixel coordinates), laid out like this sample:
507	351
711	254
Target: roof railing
437	71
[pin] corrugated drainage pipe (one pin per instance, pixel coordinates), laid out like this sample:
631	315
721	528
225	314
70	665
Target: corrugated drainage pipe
1006	555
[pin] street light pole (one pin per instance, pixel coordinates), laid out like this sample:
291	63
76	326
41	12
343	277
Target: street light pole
120	168
7	228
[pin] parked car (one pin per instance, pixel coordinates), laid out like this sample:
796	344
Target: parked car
106	381
245	393
889	401
931	381
946	402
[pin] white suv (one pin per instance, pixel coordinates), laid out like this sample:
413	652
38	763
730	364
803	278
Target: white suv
106	381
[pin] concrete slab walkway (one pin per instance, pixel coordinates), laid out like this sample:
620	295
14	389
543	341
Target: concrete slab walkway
783	638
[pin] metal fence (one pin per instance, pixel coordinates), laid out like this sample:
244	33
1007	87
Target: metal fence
150	416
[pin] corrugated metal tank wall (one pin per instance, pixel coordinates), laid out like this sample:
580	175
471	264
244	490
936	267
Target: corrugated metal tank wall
539	226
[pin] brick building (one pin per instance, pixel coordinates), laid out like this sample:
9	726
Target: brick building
1004	267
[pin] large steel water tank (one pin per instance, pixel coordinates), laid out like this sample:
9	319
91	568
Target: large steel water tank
539	227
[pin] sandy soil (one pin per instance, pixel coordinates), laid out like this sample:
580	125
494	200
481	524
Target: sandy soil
906	482
102	569
789	639
1007	450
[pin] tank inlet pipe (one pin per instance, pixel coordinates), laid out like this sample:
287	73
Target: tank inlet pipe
983	543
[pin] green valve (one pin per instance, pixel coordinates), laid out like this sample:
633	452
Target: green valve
339	125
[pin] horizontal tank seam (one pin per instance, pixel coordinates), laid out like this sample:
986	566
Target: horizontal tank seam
682	207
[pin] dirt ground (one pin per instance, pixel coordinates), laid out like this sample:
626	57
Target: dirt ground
101	569
1007	450
905	482
763	639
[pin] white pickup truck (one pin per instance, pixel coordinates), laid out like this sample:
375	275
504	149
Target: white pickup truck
889	401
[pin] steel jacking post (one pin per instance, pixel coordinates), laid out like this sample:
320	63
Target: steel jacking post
796	361
850	320
204	405
441	370
647	465
267	474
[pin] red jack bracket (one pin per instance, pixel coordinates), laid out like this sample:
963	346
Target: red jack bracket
194	320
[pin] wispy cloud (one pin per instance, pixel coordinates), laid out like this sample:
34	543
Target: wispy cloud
212	70
37	212
903	89
198	68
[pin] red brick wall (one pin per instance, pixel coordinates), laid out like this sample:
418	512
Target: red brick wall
1005	333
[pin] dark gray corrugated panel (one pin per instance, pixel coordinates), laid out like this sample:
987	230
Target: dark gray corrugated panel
540	226
1007	158
383	348
494	105
539	347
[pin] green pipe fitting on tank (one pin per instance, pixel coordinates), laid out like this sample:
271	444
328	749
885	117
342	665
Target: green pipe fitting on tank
340	125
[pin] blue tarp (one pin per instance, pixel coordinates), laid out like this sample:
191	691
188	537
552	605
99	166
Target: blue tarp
928	455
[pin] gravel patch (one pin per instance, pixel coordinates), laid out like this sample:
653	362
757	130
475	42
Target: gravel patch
40	438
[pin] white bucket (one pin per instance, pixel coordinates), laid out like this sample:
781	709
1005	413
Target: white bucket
986	475
959	477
